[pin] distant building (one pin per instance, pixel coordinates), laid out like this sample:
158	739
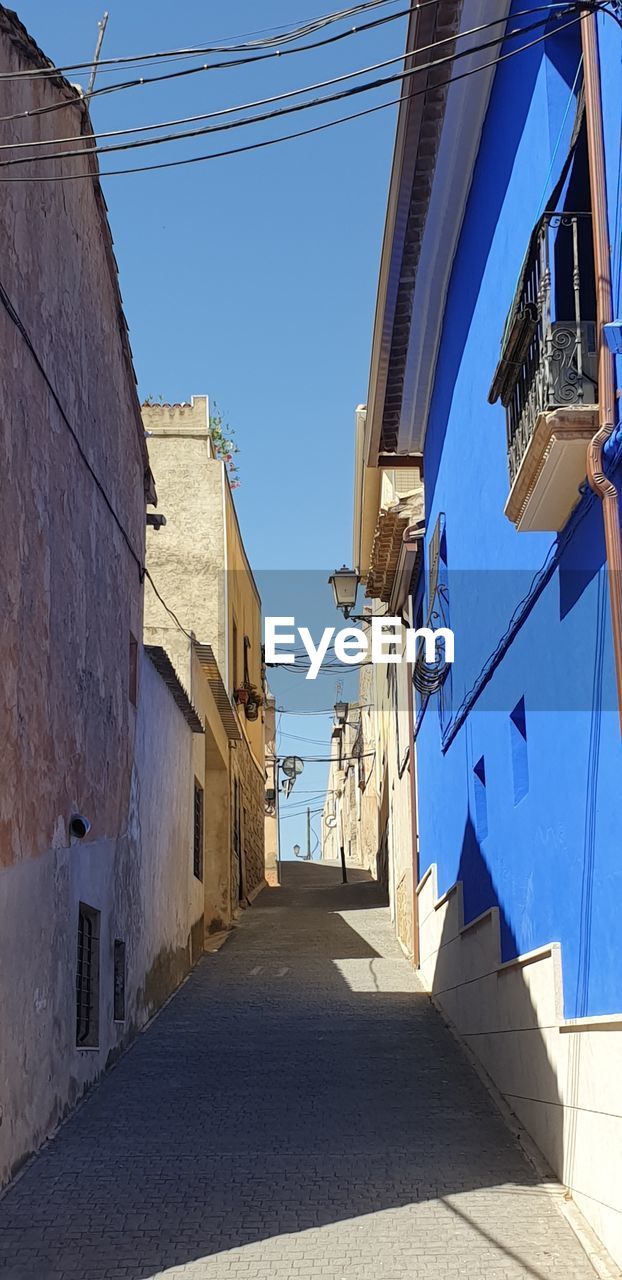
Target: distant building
199	566
271	820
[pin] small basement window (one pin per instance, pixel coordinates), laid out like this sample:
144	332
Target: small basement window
87	978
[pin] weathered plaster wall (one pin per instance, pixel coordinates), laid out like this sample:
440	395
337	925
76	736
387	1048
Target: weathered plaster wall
271	837
70	595
199	565
143	886
69	585
187	557
252	784
386	838
171	907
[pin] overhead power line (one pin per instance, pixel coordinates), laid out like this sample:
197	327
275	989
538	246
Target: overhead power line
284	96
227	45
290	137
141	81
14	316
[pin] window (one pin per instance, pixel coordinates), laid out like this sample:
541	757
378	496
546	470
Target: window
237	836
87	978
243	851
119	980
234	656
198	830
133	671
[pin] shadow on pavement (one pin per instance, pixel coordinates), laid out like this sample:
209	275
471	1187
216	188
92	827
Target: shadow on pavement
298	1080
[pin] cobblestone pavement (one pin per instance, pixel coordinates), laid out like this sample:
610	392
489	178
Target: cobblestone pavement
298	1110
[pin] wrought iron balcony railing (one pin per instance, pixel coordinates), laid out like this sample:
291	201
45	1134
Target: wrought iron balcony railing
549	356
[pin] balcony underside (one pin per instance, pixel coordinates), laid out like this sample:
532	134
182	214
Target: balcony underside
546	488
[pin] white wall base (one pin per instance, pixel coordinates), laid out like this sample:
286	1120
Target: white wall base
560	1077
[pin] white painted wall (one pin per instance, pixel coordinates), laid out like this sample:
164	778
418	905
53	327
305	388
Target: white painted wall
560	1077
142	883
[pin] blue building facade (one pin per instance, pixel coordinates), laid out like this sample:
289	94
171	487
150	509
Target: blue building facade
520	756
485	367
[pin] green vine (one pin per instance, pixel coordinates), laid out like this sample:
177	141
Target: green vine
224	444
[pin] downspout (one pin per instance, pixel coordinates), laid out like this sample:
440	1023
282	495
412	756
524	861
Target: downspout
412	539
413	816
598	481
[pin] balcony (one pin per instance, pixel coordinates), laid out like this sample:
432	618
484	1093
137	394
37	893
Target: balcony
547	375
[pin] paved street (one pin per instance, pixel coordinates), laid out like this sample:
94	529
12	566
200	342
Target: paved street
298	1110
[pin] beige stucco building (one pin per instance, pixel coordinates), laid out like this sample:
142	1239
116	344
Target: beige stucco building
99	914
198	565
271	819
373	796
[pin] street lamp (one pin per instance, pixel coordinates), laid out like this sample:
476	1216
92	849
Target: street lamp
344	583
341	712
296	850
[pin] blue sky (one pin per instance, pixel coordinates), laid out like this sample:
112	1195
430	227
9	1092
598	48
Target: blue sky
252	278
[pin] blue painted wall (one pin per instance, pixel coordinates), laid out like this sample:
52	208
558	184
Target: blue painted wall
524	808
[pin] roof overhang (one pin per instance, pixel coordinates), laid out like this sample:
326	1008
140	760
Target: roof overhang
164	667
437	140
207	660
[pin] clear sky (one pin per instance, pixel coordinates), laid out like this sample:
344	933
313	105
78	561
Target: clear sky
252	278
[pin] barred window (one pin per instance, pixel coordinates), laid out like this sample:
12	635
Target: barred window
119	980
87	978
198	830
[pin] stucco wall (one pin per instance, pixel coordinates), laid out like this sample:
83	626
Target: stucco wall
527	825
142	885
70	588
187	557
560	1077
252	784
70	596
199	565
271	835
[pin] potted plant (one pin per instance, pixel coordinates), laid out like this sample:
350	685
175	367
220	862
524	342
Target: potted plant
242	695
253	702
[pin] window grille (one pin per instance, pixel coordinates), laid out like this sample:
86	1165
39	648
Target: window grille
198	830
119	981
133	671
87	978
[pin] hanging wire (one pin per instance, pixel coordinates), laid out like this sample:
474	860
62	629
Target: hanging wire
256	146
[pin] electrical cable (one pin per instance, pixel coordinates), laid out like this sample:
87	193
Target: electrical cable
327	759
269	142
318	742
329	711
228	45
380	82
143	571
171	612
20	326
322	84
214	66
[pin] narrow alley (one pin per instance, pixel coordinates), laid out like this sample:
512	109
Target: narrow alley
298	1109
